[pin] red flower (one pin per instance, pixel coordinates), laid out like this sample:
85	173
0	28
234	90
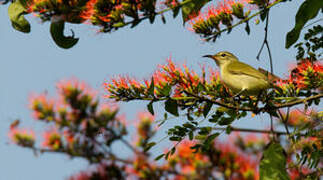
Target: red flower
52	139
23	137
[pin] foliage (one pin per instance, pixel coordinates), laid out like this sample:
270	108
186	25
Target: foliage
111	15
80	126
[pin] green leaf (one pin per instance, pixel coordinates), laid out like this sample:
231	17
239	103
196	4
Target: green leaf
207	108
175	138
273	163
307	11
210	138
191	135
166	90
16	13
171	107
159	157
192	8
149	146
151	87
176	11
57	32
247	28
150	108
163	19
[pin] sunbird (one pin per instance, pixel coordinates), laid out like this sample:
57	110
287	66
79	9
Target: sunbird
240	77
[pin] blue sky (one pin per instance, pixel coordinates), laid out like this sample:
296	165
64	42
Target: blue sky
33	63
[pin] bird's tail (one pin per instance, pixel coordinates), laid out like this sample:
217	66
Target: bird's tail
271	77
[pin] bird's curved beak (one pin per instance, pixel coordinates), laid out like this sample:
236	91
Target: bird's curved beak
208	56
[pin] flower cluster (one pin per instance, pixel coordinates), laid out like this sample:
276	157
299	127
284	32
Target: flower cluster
77	120
223	159
208	23
169	80
22	137
305	75
108	14
297	118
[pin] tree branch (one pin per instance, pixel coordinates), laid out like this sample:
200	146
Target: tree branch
251	130
262	109
112	157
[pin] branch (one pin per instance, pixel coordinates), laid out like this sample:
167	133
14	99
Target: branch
254	131
267	45
256	109
229	106
251	130
112	158
300	101
129	146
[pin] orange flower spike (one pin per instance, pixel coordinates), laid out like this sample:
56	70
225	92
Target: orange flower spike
89	10
52	139
41	106
22	137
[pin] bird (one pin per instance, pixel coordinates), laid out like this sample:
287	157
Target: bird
239	77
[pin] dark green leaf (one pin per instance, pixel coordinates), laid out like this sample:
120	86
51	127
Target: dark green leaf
188	125
225	121
192	8
307	11
273	163
163	19
151	87
57	32
191	135
166	155
159	157
176	11
263	14
149	146
247	28
172	151
175	138
152	18
171	107
150	108
210	138
207	108
166	90
16	13
228	129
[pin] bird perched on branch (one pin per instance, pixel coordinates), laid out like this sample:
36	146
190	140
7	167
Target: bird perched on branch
239	77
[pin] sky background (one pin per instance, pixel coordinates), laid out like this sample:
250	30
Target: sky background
33	63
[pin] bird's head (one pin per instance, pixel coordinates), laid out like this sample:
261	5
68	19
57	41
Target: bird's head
222	58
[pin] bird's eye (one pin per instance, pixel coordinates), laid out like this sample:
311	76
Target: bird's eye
223	55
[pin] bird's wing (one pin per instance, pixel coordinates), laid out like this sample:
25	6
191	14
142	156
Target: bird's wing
238	67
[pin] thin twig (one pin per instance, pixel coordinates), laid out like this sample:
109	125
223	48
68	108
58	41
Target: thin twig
270	60
313	23
113	157
129	146
262	109
253	130
247	19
